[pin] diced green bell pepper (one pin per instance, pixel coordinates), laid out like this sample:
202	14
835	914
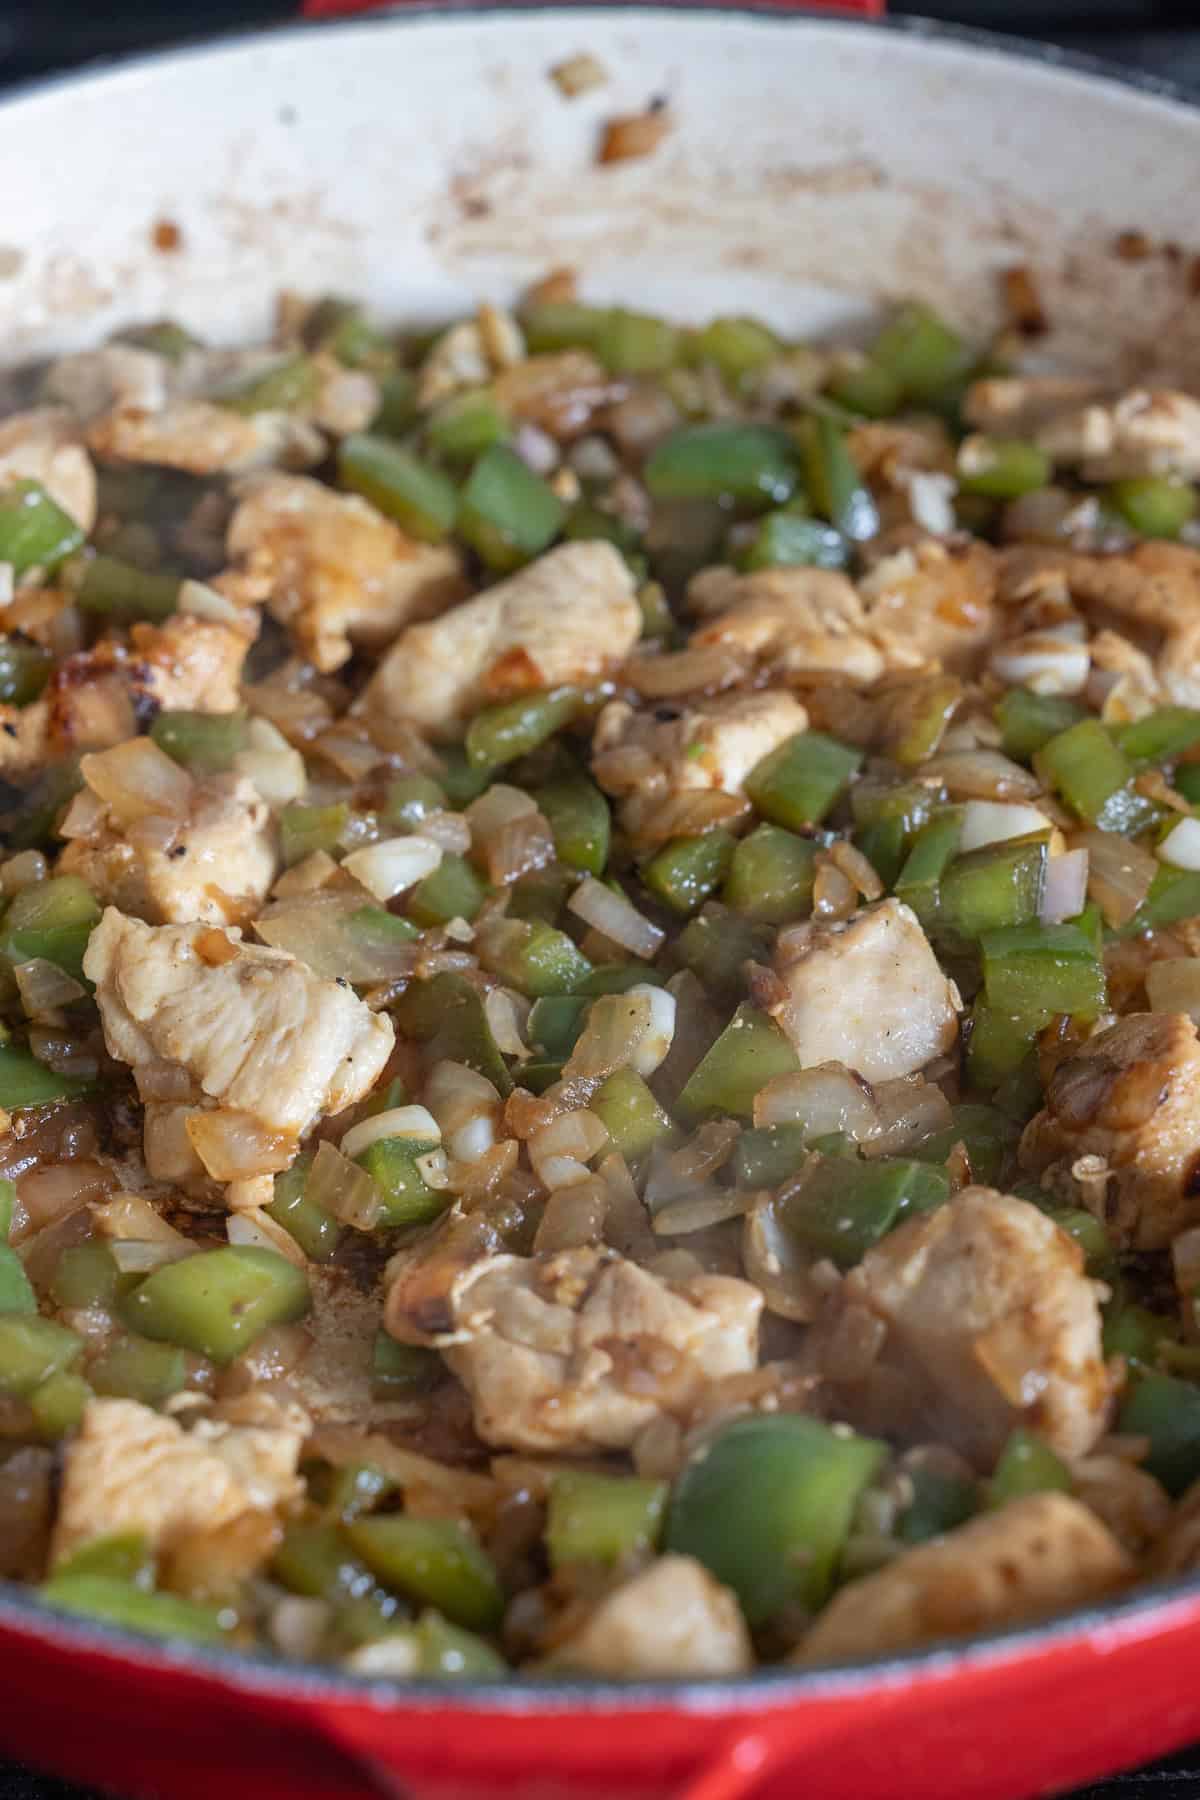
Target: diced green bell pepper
995	886
1167	1411
316	1231
25	669
688	869
939	1503
919	883
839	1208
26	1082
750	1051
85	1275
8	1205
410	799
797	784
289	385
31	1350
58	1404
602	1518
447	1016
453	891
630	1114
736	344
1026	1465
987	1135
771	876
120	1555
305	829
16	1291
1156	506
466	425
35	532
397	412
507	513
217	1301
403	1368
51	919
1002	468
1161	736
752	464
109	585
447	1652
1174	894
434	1561
1035	971
999	1045
790	539
562	325
203	742
767	1506
866	387
120	1603
137	1369
767	1155
407	1197
922	353
556	1022
540	960
580	818
416	495
1028	721
831	477
500	734
717	945
1095	779
631	343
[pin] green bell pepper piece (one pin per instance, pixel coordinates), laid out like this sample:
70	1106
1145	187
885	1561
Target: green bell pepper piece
752	464
417	496
508	514
919	883
218	1301
85	1275
466	425
556	1022
995	886
630	1114
58	1404
35	532
540	960
1026	1465
988	1136
453	891
1035	971
25	669
1000	1042
580	818
397	404
410	799
1167	1411
120	1603
839	1209
1095	779
1156	506
771	876
1137	1334
8	1204
500	734
314	1560
447	1016
447	1652
403	1368
316	1231
767	1155
630	343
750	1051
305	829
736	344
206	743
51	919
717	945
16	1291
767	1506
939	1503
26	1082
922	353
1174	894
1028	721
562	325
137	1369
434	1561
866	387
164	337
789	539
1002	468
109	585
688	869
31	1350
289	385
831	476
602	1518
407	1197
797	784
1161	736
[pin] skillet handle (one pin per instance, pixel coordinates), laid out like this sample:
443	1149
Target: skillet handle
860	9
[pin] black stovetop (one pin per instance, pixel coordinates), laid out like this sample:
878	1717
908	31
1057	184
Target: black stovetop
1160	37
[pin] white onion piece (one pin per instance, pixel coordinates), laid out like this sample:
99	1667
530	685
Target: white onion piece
204	602
1064	893
560	1152
697	1212
297	1628
1173	986
615	1026
413	1122
507	1014
930	499
137	780
28	867
1119	873
617	917
824	1099
44	989
1181	846
278	775
388	868
343	1189
1045	662
136	1256
994	822
233	1145
982	775
775	1263
910	1109
653	1046
466	1107
131	1216
320	929
50	1193
261	1232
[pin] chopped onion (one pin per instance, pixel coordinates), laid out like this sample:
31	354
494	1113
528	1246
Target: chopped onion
137	1256
131	1216
413	1122
1181	846
204	602
1045	662
617	917
262	1232
27	867
1119	873
136	780
308	876
981	775
775	1263
574	1216
234	1144
857	868
45	989
699	1211
930	499
1173	986
467	1109
449	829
825	1099
910	1109
276	771
389	868
654	1045
343	1189
702	668
346	1447
994	822
612	1035
48	1194
297	1628
561	1151
507	1014
536	449
685	1171
321	929
834	894
1064	893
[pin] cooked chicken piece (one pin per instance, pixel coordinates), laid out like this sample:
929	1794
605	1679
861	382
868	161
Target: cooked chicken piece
578	1351
1125	676
867	993
334	569
803	621
1130	1096
672	1620
130	1469
1028	1559
188	664
1146	432
707	744
989	1323
569	616
47	446
191	1007
932	602
559	392
468	354
214	866
1151	594
1016	405
202	438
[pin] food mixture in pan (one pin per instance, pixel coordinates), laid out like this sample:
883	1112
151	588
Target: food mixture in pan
599	966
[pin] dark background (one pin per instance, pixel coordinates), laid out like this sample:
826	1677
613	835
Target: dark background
1158	37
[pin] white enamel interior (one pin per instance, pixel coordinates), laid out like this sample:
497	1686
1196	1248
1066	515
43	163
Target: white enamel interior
421	160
